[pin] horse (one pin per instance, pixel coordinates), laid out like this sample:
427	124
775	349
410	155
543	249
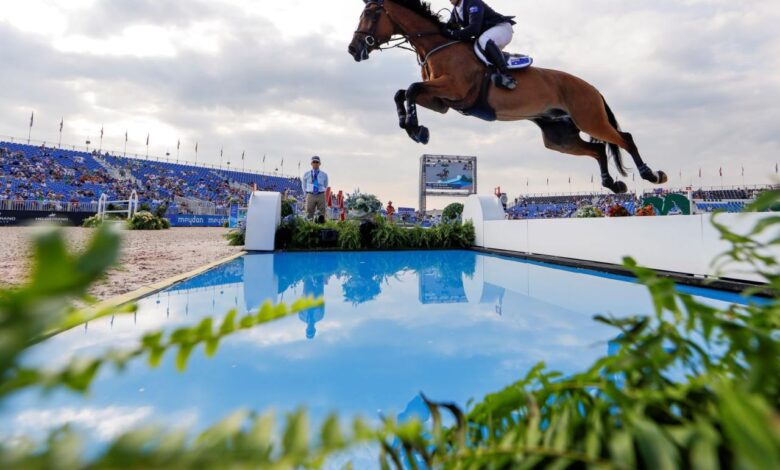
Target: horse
561	104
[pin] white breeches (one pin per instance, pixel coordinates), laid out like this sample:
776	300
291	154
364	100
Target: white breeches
501	34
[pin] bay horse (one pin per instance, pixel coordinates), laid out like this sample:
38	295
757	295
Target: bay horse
561	104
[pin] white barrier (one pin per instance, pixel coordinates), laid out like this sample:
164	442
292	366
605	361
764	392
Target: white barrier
264	214
681	244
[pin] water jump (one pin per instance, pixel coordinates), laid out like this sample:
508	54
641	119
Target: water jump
458	74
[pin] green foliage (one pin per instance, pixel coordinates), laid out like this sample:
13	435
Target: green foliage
237	236
143	220
349	236
160	211
92	222
144	206
287	207
388	236
452	212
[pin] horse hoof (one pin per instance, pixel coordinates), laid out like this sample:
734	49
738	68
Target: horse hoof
619	187
402	123
423	135
662	178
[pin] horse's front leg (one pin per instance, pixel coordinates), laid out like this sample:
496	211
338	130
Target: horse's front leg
428	94
400	106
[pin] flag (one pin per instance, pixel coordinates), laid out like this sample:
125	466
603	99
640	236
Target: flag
147	140
721	172
299	165
548	181
699	172
242	155
101	132
62	121
569	179
743	170
591	179
32	117
282	161
527	182
220	152
178	144
196	147
263	158
776	168
125	136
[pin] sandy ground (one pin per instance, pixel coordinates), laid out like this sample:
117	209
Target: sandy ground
147	256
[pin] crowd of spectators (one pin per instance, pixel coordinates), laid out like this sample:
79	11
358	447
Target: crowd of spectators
42	174
557	207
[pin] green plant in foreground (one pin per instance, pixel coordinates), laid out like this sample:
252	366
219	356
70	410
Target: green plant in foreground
690	386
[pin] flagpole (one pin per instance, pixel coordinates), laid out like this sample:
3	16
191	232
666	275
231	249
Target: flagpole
29	133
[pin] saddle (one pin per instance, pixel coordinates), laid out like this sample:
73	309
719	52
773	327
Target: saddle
481	108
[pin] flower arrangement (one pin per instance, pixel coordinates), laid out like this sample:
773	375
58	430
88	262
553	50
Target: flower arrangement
360	205
618	211
588	212
646	211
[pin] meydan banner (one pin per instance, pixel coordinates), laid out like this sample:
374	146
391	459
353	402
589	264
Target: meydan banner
187	220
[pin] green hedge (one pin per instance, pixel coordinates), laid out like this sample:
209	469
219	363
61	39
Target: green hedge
376	234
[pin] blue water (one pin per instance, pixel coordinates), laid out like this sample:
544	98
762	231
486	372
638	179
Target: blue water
453	324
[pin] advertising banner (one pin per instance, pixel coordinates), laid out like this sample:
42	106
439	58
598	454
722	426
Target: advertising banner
197	220
16	218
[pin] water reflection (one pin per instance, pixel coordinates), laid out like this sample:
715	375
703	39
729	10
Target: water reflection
452	324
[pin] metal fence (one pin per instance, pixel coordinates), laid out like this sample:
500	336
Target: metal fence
51	206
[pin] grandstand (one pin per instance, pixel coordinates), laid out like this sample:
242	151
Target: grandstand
72	179
565	205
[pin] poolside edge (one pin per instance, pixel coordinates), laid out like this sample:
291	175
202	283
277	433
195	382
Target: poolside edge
150	289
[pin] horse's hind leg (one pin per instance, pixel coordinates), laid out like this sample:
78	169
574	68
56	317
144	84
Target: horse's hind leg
593	115
658	177
563	136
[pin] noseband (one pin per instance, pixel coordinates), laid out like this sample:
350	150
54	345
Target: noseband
370	35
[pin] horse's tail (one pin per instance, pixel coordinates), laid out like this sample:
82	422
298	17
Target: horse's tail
613	150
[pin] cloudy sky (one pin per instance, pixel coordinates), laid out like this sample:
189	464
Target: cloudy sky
697	82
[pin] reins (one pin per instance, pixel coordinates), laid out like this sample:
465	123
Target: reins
405	39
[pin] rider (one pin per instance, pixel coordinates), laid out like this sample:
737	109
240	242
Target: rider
474	19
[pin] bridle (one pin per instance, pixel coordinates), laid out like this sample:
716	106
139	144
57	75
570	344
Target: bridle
369	37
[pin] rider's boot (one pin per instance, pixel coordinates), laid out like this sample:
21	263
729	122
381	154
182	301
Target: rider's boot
501	77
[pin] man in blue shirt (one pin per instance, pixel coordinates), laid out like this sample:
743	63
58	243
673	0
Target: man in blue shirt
314	184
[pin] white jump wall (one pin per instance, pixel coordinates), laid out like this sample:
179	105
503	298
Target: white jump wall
682	244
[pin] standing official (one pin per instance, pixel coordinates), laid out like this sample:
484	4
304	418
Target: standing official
315	182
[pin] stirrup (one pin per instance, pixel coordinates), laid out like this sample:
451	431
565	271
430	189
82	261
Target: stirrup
504	80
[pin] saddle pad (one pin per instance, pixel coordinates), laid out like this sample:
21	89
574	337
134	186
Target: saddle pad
518	61
513	61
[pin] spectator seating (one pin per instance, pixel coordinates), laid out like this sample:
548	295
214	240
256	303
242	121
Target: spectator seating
47	174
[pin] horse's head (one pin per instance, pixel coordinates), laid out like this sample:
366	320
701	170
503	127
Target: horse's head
374	29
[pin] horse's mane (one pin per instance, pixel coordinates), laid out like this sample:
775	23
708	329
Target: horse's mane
421	8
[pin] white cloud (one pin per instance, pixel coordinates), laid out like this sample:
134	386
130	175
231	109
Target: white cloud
691	80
